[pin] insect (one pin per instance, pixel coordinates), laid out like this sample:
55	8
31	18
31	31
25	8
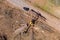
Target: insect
30	24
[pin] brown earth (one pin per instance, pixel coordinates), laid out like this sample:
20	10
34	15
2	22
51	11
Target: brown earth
11	19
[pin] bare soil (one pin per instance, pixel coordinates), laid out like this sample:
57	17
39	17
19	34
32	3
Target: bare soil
12	18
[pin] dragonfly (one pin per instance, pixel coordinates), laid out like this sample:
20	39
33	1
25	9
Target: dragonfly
29	25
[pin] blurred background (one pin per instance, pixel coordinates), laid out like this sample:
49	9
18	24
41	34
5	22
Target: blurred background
50	6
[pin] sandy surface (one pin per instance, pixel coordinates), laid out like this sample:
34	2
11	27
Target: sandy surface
11	19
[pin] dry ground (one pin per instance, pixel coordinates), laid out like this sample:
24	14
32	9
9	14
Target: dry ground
11	19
